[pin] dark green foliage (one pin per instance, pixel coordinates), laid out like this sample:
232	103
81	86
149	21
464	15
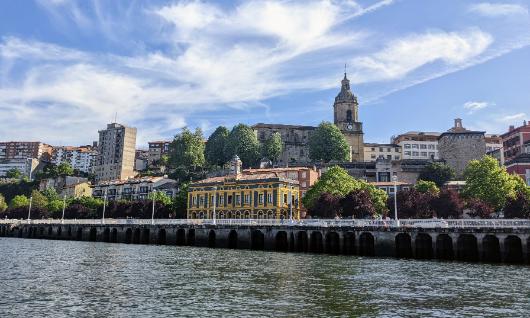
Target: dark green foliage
327	143
272	147
357	204
243	142
215	147
438	173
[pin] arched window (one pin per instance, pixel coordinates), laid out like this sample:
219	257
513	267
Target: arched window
348	116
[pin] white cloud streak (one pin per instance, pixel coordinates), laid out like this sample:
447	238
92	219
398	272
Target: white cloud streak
488	9
474	106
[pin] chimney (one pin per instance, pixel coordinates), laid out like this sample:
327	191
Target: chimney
524	123
511	128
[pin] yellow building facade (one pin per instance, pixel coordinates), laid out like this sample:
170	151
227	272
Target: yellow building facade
242	196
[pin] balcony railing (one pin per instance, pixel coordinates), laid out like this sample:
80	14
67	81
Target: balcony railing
405	223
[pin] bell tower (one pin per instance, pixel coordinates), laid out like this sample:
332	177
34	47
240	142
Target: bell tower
346	117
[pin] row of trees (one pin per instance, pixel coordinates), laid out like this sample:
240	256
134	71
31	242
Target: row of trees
489	190
48	204
190	156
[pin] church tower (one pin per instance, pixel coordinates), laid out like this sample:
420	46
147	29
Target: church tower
346	117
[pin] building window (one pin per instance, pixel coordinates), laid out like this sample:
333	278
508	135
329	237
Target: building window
396	157
423	146
247	198
389	149
260	198
238	199
285	198
221	199
389	157
414	146
229	199
424	154
303	174
407	153
380	149
415	153
269	197
431	146
304	184
407	146
372	156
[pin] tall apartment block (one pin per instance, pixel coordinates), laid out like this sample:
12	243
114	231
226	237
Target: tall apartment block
116	153
25	150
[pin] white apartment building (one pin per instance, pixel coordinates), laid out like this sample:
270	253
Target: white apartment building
418	145
373	151
135	188
25	166
81	158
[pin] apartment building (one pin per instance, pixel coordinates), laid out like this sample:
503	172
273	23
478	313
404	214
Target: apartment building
156	150
116	153
513	141
135	188
417	144
373	151
26	166
81	158
24	150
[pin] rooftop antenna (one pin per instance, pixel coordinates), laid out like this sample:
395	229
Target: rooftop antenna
344	68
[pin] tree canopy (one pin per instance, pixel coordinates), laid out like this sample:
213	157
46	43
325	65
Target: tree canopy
186	151
3	203
19	201
427	186
14	173
438	173
272	147
215	147
327	143
490	183
242	141
337	181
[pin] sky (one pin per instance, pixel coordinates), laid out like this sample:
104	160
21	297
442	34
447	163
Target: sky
67	68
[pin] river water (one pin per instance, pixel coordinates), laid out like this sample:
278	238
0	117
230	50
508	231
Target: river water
40	278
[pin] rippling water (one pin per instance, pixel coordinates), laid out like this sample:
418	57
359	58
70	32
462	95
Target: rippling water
81	279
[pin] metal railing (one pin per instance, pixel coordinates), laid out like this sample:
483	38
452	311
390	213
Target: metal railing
407	223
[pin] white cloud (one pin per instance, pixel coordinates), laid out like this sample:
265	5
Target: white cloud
514	117
405	55
498	9
474	106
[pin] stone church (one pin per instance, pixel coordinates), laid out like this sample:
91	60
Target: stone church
295	138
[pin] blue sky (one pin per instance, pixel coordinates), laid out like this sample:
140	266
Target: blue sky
67	67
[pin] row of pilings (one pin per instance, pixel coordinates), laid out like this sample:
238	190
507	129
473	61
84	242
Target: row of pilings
492	246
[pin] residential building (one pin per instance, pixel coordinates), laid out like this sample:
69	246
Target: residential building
493	142
513	141
242	196
82	158
417	145
116	153
521	163
156	150
388	187
141	160
73	187
373	151
306	177
458	146
295	138
26	166
135	188
24	150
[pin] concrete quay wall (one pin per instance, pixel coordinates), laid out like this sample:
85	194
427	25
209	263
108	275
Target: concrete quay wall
508	245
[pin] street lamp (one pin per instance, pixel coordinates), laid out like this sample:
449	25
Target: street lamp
64	207
290	203
104	206
214	203
153	212
394	178
29	209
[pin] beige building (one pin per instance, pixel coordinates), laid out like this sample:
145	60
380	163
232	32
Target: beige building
296	138
116	153
135	188
372	152
25	150
156	150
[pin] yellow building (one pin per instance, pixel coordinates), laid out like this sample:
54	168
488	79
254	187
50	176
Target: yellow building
265	195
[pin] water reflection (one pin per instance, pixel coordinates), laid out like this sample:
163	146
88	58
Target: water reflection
71	279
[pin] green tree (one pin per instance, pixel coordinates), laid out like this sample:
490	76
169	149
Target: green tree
427	186
19	201
38	200
55	207
337	181
327	143
490	183
51	194
243	142
3	204
186	151
65	169
160	197
272	147
215	147
180	201
438	173
14	173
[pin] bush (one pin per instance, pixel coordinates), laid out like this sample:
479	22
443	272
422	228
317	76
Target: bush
357	204
327	206
518	207
479	209
448	205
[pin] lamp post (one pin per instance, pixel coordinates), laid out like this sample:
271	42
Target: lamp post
290	203
64	207
394	178
30	166
153	212
104	207
214	204
29	209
